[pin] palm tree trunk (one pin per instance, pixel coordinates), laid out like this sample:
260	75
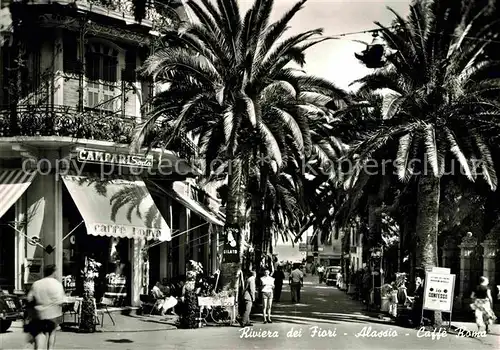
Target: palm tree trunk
235	225
427	227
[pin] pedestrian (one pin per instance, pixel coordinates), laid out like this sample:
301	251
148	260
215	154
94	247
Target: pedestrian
249	292
267	283
418	301
279	277
367	286
339	280
321	271
296	281
482	306
46	296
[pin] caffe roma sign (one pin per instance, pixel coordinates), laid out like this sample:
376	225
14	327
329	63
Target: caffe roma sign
112	158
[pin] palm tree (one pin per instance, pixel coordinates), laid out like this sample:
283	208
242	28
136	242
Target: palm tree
220	71
438	108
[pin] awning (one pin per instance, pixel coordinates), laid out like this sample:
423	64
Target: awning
120	208
179	193
13	183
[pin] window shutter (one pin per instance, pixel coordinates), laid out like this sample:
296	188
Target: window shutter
129	73
70	54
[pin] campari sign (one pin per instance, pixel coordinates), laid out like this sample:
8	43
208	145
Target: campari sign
86	155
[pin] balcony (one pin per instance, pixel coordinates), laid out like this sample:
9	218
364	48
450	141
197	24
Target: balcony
158	14
35	120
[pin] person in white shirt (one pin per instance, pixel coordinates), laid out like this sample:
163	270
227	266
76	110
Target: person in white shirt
267	295
321	271
46	296
296	281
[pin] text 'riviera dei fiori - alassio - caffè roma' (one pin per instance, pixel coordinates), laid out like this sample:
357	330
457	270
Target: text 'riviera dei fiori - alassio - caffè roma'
111	158
126	231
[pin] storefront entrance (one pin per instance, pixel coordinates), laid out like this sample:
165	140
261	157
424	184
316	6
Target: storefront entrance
114	280
7	251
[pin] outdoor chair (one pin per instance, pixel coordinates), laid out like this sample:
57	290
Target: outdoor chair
148	302
75	311
102	308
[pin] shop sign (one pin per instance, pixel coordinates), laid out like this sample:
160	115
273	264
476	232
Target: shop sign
86	155
439	290
33	270
230	252
126	231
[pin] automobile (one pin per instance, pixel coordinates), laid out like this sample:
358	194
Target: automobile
11	309
331	275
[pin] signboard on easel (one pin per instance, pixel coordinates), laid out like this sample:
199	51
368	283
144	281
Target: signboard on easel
439	291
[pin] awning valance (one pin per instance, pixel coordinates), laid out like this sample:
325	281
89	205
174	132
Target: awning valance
117	208
179	193
13	183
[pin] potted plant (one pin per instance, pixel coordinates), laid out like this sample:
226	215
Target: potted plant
89	273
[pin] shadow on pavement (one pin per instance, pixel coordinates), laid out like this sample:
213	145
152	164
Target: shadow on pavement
119	341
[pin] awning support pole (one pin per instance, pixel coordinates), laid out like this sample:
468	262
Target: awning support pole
177	235
70	232
21	233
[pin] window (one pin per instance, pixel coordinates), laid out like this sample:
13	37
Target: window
101	68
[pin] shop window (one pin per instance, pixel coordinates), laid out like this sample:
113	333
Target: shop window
101	69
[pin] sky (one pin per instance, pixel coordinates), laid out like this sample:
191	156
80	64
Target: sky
334	59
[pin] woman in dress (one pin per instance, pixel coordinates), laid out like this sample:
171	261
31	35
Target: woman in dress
190	302
267	295
482	306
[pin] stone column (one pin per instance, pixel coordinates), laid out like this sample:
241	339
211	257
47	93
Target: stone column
489	257
449	248
466	249
44	218
183	239
20	242
137	244
214	242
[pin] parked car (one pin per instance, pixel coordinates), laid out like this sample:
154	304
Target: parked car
331	275
11	308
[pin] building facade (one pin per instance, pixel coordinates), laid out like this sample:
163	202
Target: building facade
71	189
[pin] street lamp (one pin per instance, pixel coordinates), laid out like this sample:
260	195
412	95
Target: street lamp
375	55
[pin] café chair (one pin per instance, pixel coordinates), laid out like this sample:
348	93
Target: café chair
102	308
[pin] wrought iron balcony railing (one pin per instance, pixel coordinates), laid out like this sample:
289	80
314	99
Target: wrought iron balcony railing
53	120
159	14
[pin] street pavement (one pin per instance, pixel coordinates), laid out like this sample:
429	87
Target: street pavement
325	319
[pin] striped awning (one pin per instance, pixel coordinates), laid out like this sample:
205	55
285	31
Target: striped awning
121	208
13	183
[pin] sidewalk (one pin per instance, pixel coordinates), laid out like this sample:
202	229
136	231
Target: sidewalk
123	324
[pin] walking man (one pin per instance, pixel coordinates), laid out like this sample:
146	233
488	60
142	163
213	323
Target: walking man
296	282
249	298
321	271
47	296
